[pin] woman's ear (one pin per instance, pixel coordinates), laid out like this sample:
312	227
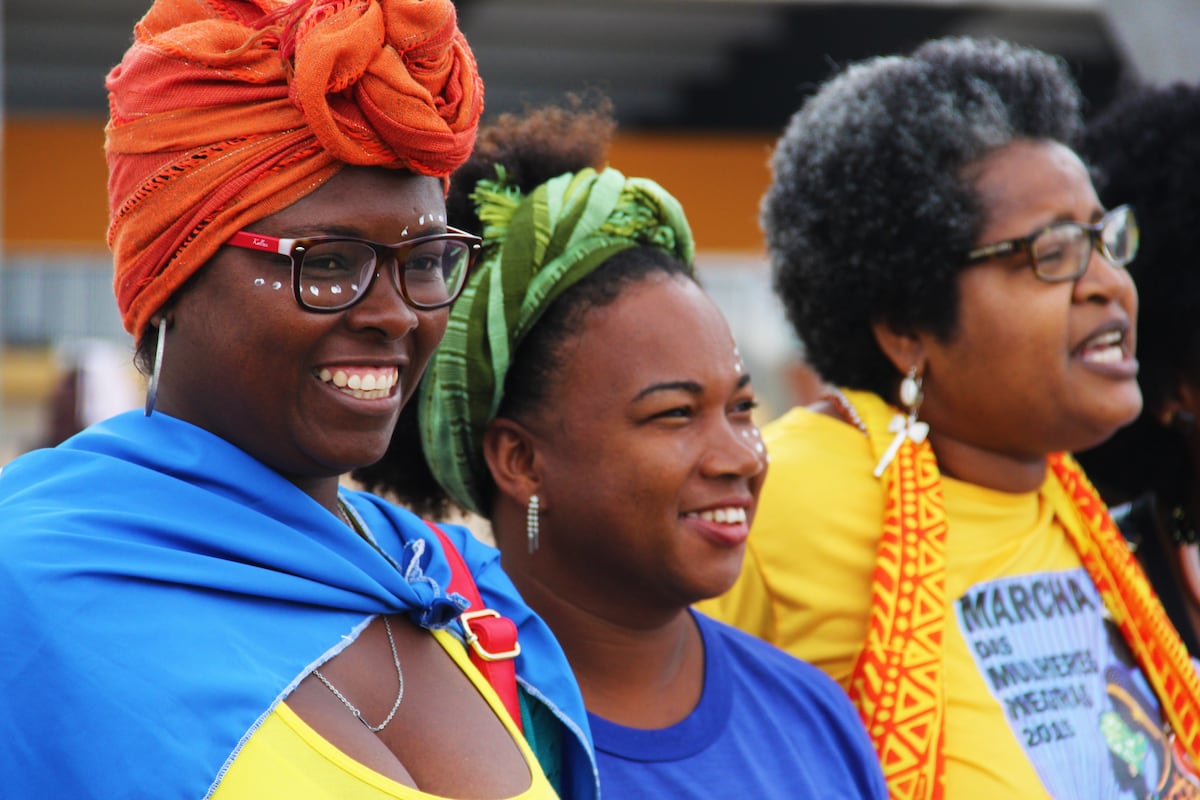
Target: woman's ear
904	349
166	313
1181	408
511	455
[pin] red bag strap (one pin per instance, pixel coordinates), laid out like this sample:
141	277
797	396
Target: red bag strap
491	638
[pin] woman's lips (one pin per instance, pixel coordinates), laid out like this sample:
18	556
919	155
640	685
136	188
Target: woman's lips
1109	353
725	525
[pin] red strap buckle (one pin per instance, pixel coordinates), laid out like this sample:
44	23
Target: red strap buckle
491	636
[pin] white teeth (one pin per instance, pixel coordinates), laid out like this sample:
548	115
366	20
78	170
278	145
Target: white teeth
1106	356
371	385
1105	348
362	395
723	516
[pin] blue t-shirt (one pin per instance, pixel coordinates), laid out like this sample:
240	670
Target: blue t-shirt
767	726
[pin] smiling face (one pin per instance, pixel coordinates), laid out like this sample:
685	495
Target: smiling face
291	387
651	464
1033	367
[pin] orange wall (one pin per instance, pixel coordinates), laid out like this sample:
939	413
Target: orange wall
54	182
719	179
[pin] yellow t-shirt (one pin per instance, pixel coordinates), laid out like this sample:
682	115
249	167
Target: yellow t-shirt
286	758
1041	696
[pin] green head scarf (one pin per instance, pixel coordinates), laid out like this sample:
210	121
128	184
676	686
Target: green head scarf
535	247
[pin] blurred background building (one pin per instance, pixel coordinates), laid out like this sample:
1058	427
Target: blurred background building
701	89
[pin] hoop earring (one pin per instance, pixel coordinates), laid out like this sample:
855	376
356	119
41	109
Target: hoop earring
159	349
532	513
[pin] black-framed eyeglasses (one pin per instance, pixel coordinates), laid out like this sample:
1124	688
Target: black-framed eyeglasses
332	273
1061	251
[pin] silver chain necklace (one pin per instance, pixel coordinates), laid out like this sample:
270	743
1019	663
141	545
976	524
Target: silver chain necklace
395	658
399	692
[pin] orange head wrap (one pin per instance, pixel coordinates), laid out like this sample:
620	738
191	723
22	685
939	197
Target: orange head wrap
226	111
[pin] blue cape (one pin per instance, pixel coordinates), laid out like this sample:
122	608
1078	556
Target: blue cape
161	591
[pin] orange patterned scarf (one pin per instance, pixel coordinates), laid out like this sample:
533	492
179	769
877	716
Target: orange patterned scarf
897	681
223	112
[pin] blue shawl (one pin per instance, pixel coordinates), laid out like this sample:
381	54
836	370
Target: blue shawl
161	591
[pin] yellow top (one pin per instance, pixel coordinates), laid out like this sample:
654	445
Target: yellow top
287	758
1030	662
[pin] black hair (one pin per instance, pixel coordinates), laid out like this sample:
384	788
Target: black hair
869	215
143	354
533	147
1145	152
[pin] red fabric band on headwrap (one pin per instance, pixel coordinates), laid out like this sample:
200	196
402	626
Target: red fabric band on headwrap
226	111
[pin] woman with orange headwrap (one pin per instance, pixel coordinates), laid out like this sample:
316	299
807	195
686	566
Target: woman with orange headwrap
194	607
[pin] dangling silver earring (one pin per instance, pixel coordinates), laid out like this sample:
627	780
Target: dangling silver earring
910	393
156	370
531	522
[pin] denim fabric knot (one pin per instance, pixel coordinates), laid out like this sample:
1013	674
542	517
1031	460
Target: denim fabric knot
435	608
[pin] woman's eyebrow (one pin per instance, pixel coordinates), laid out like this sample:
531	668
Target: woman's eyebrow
691	387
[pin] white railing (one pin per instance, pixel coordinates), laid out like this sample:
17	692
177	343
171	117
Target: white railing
48	299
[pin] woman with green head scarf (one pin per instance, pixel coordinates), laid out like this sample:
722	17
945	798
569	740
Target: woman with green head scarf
589	401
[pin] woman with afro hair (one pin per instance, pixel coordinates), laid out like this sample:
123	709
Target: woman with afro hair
1145	151
923	535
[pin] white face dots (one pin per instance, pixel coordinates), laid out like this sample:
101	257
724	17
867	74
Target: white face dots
754	441
738	365
434	217
752	435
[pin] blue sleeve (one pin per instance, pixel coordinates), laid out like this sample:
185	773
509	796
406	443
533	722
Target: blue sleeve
855	740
